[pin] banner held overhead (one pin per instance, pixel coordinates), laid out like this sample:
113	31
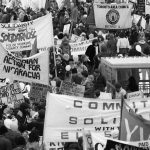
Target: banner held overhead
113	16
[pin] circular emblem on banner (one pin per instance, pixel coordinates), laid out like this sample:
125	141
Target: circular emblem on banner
112	16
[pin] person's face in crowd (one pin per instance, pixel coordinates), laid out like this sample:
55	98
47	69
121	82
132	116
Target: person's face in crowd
91	36
83	37
100	39
71	63
91	78
96	44
142	37
96	74
25	135
58	61
118	89
27	110
89	85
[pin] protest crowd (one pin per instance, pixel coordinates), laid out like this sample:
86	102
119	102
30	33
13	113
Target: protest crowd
57	62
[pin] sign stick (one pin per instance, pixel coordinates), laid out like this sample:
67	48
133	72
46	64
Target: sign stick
122	103
54	53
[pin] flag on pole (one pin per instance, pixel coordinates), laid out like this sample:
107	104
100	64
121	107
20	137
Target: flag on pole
133	127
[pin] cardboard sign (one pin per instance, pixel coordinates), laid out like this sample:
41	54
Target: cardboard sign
75	38
135	95
66	29
38	92
32	69
134	127
11	94
68	88
113	16
21	36
104	95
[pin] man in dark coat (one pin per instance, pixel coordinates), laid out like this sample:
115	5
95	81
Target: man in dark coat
92	51
99	81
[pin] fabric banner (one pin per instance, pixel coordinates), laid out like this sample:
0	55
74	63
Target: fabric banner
79	48
11	94
22	36
140	106
75	38
113	16
133	126
68	88
100	142
32	69
118	145
72	114
2	82
38	92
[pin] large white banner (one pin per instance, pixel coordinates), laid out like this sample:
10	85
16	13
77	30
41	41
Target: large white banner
113	16
22	36
32	69
66	116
